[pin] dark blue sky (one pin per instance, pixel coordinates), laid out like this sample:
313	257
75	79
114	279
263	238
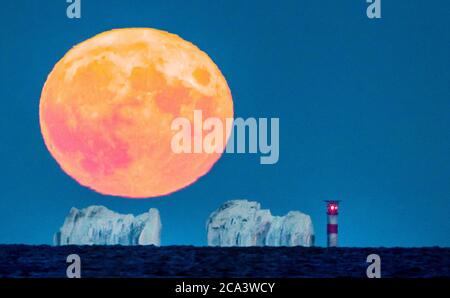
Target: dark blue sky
364	108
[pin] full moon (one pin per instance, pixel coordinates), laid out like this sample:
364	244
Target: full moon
107	106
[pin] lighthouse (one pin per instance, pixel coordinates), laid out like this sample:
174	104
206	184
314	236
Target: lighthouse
332	223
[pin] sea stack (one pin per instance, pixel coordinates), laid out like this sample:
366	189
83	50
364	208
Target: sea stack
97	225
244	223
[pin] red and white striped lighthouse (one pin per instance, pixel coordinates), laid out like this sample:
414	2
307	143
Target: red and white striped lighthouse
332	223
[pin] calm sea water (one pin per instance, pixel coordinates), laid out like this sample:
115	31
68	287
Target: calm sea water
188	261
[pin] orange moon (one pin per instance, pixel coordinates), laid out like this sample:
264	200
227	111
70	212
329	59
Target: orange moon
107	106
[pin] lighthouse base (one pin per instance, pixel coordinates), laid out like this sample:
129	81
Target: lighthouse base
332	240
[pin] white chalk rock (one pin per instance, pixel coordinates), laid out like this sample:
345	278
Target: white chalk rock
97	225
244	223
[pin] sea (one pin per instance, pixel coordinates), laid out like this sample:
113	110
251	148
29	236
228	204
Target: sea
43	261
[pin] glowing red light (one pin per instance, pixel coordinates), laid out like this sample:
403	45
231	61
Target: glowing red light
333	208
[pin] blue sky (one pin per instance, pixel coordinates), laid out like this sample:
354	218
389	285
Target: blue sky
364	108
